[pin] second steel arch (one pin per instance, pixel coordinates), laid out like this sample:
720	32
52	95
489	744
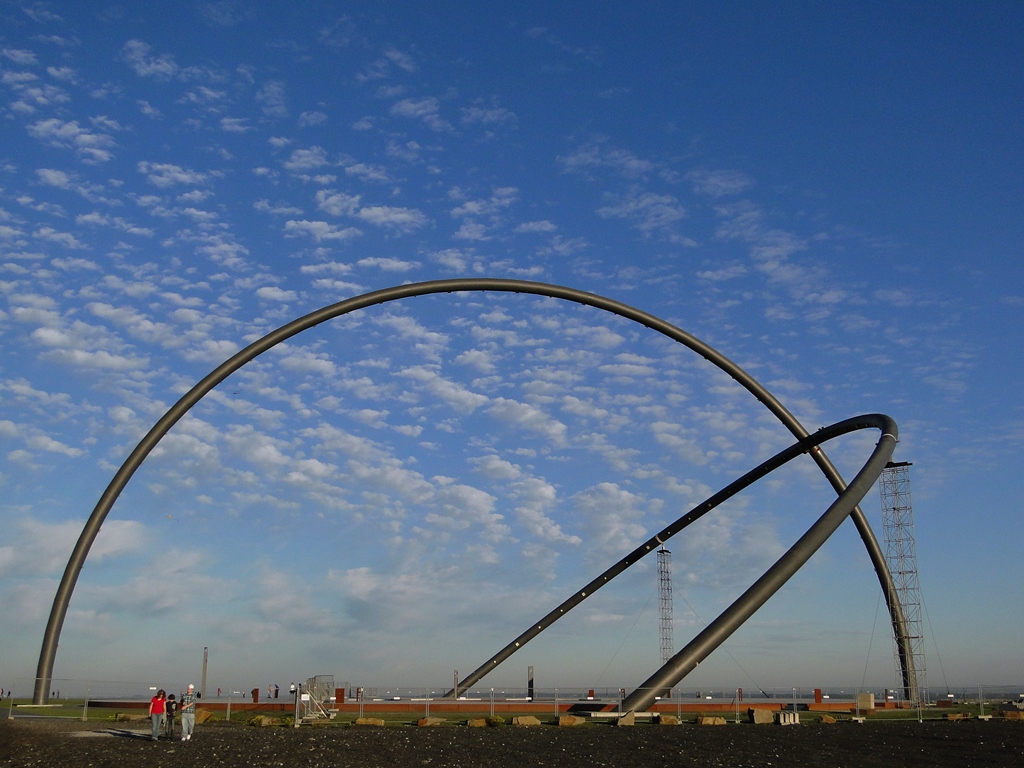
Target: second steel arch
91	529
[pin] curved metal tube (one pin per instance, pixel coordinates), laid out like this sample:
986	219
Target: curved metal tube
62	598
771	580
802	446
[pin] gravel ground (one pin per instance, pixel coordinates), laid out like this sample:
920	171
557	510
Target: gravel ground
846	745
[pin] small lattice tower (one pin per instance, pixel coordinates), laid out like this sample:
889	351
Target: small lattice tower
665	602
901	556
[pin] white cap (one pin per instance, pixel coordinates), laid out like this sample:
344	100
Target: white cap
191	687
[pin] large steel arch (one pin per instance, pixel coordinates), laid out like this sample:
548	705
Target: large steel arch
65	589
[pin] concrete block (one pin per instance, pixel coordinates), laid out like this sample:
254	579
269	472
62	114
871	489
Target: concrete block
477	722
629	718
568	721
788	718
668	720
760	716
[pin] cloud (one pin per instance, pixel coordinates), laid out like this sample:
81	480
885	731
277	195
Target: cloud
273	293
426	110
91	147
137	55
401	219
20	57
319	230
454	394
535	226
719	183
487	116
272	99
307	119
388	265
40	548
599	154
222	13
391	217
165	175
648	212
302	160
528	417
235	125
612	518
66	239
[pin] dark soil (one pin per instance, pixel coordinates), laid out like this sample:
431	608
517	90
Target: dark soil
840	745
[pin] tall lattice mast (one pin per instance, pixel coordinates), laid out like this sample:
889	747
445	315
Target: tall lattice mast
901	555
665	602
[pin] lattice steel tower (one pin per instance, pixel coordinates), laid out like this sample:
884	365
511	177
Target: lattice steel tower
665	602
901	555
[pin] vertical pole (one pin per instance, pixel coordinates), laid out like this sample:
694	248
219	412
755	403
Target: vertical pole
85	707
298	695
227	717
492	702
202	684
455	687
529	682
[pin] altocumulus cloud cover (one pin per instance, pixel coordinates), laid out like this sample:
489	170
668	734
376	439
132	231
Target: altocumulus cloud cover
829	196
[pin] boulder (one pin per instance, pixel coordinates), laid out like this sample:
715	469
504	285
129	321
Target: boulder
760	716
477	722
668	720
569	721
425	722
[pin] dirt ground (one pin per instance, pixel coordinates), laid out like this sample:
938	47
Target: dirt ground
845	745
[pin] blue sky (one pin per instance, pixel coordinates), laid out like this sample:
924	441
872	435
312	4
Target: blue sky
829	195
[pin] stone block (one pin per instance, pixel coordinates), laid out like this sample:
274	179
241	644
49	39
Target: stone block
202	715
568	721
827	719
710	720
525	720
629	718
376	721
477	722
425	722
667	720
760	716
